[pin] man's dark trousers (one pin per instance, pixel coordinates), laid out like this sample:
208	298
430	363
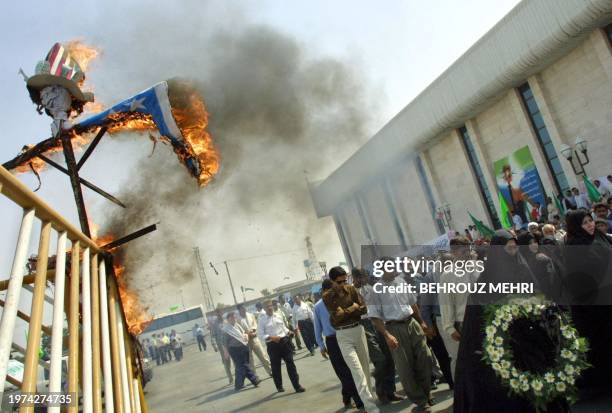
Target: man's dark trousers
282	351
307	330
384	367
201	342
240	356
349	390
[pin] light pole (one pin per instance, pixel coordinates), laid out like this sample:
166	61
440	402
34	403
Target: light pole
229	277
444	214
571	153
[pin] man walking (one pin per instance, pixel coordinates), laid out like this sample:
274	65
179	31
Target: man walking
249	324
384	367
398	319
302	314
345	307
236	342
272	331
218	335
285	307
198	334
323	328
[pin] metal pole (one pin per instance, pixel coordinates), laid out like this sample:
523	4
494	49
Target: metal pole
143	401
230	280
86	343
125	385
9	314
130	368
137	399
73	328
38	301
106	349
57	335
95	336
76	185
114	335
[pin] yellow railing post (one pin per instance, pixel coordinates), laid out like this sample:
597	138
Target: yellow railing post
36	312
73	327
95	336
116	356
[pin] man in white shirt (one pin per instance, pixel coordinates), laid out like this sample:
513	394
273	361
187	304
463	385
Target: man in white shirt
303	316
249	324
397	317
272	331
285	307
581	200
452	305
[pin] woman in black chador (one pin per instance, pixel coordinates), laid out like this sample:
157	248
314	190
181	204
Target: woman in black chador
588	278
477	388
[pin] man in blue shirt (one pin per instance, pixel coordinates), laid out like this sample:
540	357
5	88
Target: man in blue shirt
330	348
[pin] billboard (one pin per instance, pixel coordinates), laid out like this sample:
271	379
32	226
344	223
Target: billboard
519	182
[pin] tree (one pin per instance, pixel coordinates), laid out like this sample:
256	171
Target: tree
265	292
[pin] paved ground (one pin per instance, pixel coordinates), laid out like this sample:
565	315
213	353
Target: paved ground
198	384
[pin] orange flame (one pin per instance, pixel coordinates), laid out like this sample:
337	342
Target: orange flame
82	53
136	315
192	119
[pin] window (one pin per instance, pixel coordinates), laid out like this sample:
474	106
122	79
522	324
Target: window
537	122
482	183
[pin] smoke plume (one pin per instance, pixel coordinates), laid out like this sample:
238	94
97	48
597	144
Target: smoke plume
276	110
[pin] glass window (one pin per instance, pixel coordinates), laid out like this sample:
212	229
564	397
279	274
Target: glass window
532	106
482	184
544	136
537	122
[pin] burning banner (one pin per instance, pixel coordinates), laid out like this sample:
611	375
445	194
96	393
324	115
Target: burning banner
152	109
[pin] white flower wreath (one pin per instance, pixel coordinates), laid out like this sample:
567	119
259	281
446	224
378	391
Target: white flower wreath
540	389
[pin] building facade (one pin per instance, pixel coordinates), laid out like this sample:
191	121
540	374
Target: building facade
539	79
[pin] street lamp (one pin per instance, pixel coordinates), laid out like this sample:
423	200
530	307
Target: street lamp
571	153
444	214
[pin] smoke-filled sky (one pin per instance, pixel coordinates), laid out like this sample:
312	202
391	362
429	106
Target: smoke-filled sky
292	90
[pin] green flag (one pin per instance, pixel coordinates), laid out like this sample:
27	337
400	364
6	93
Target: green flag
482	228
504	215
174	308
592	190
559	206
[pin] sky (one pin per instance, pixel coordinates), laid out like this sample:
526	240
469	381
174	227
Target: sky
385	53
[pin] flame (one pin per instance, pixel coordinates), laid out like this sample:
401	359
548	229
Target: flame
82	53
192	119
136	315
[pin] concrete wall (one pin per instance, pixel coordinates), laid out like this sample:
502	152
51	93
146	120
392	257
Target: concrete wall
577	90
455	183
354	232
573	96
378	210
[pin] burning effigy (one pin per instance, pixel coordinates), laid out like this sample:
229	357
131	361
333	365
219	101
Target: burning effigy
172	108
172	112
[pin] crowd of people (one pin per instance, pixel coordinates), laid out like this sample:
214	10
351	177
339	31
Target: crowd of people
161	347
428	339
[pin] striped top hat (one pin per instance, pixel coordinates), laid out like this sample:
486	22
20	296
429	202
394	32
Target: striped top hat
58	68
